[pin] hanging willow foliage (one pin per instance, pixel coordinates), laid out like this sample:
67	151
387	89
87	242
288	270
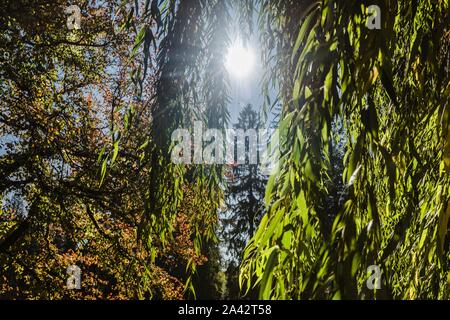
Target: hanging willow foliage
391	89
188	42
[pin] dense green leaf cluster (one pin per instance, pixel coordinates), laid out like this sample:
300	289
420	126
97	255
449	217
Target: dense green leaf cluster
391	89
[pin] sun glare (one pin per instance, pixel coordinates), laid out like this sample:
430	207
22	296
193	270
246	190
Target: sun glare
240	60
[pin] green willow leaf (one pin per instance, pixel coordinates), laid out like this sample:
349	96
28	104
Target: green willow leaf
266	282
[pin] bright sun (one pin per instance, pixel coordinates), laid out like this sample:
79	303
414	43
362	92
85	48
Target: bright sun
240	60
